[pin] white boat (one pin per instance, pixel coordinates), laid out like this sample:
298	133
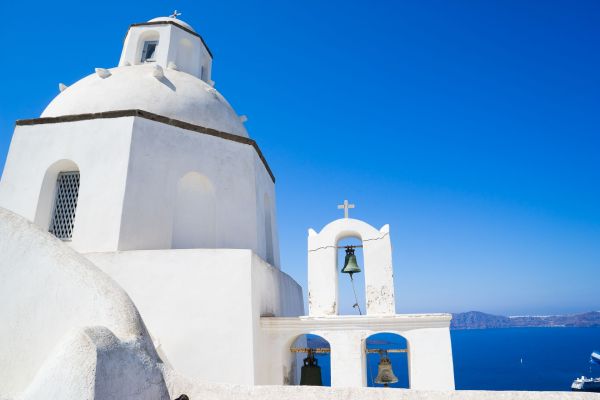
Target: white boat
595	357
584	384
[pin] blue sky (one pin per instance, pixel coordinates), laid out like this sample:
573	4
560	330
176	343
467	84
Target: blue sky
472	128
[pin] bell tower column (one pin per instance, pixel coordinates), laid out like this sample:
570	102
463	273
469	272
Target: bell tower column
348	361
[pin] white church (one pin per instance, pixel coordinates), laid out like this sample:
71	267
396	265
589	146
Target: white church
139	253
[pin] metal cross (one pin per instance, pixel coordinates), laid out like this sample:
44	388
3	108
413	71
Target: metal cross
175	14
345	207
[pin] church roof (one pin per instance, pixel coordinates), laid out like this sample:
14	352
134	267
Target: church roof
173	20
176	95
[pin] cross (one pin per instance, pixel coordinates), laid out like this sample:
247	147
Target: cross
175	14
345	207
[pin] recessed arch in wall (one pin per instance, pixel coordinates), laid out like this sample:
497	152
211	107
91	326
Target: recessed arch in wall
147	36
185	57
47	195
399	360
268	228
194	214
322	359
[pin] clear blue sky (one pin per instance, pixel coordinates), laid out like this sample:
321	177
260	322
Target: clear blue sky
472	128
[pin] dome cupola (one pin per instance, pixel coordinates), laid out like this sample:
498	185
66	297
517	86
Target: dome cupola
167	41
165	69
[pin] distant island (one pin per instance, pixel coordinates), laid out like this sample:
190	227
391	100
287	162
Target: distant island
480	320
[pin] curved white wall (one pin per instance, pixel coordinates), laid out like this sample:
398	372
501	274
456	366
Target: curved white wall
47	292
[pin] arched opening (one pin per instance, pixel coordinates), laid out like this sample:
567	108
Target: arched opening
147	48
308	368
186	57
57	200
268	222
194	217
394	348
351	286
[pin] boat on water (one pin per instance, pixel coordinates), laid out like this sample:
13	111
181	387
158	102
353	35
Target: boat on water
584	384
595	357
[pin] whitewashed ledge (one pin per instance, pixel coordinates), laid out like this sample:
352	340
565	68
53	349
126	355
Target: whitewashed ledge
208	391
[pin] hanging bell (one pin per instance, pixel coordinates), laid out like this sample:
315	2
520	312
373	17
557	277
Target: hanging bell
385	374
350	265
310	374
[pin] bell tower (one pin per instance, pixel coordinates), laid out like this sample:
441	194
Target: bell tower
169	43
323	293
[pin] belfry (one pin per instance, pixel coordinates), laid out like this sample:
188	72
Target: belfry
142	202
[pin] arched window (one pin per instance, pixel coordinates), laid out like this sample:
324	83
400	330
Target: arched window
57	202
65	204
148	47
268	209
194	217
391	349
319	358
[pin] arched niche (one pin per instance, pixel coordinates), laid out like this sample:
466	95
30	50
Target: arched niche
47	194
186	56
146	36
268	229
323	292
399	360
296	360
194	214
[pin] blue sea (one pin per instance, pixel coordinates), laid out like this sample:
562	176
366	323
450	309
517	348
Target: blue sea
500	359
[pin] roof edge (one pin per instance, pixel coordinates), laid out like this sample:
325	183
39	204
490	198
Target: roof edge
153	117
191	32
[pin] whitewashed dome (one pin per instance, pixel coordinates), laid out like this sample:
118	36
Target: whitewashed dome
177	95
174	20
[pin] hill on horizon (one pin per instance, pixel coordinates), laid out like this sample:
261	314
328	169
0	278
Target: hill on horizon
481	320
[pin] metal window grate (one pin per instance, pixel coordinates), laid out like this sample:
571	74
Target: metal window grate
65	203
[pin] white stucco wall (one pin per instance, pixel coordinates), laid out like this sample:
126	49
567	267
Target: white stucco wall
217	391
99	148
266	201
60	315
93	364
130	170
203	307
161	155
430	362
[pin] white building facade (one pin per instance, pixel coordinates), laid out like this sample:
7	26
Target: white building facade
148	172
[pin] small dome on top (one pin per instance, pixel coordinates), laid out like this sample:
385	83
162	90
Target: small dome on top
173	20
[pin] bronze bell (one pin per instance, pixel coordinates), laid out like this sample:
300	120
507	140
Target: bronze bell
350	265
311	372
385	373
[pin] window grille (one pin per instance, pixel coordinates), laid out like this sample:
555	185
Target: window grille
65	203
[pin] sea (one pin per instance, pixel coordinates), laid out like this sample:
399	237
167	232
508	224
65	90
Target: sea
498	359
